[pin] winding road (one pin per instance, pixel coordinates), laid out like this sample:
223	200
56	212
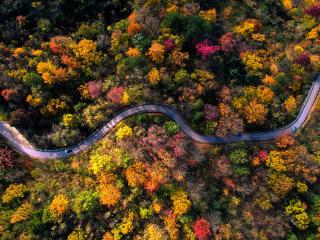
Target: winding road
18	142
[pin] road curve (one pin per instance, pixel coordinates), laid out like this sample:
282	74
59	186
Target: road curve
28	150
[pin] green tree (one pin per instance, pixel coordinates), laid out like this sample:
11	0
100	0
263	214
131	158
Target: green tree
171	127
85	203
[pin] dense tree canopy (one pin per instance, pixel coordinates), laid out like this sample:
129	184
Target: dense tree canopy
227	66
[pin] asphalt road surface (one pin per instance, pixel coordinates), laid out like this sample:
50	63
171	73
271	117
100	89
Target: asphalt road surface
24	148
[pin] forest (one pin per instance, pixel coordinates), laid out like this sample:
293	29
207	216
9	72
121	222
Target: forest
227	67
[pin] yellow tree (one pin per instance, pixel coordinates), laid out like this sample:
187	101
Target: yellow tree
156	52
22	213
290	104
268	80
154	232
133	52
86	52
171	226
14	191
47	71
285	141
124	131
154	76
59	206
77	234
109	194
181	203
136	175
255	112
276	161
280	183
209	15
127	224
297	210
265	94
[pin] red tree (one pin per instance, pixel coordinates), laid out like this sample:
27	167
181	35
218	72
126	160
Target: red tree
263	155
205	49
8	94
169	44
94	88
59	44
116	94
202	229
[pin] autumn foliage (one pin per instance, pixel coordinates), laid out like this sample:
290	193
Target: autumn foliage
59	206
227	67
202	229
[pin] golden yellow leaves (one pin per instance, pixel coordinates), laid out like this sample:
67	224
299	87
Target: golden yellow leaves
50	73
154	76
14	191
156	52
58	206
